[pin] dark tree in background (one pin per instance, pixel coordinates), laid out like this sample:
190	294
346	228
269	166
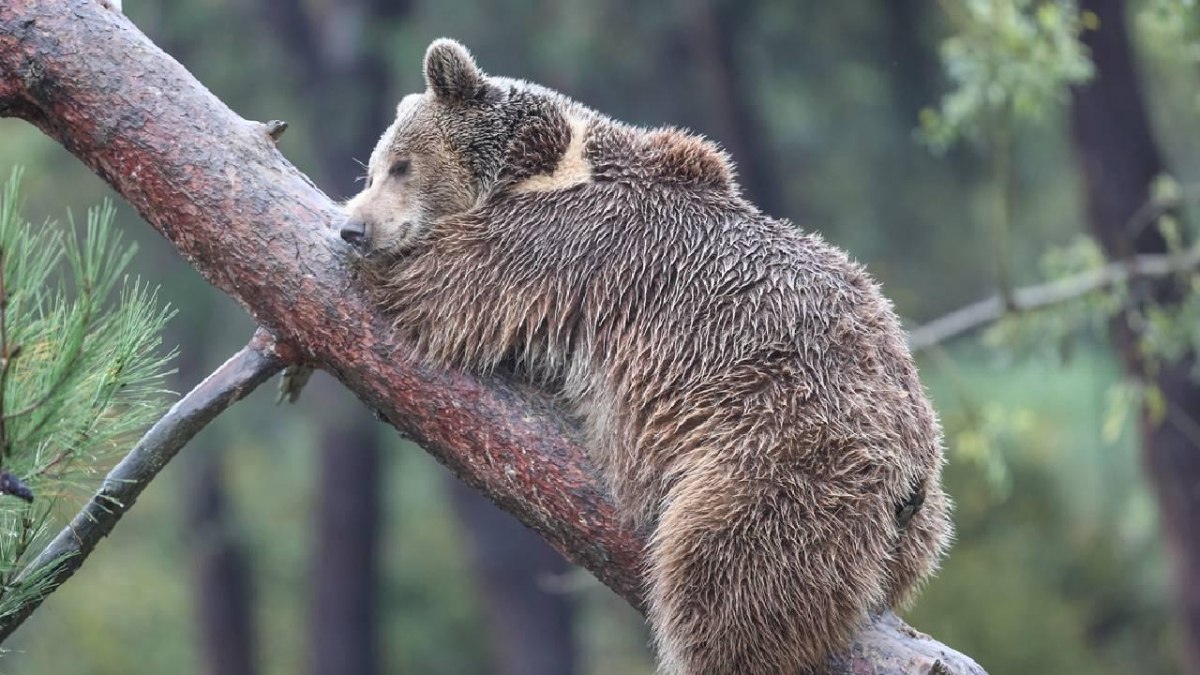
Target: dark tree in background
1119	159
725	91
913	65
529	615
345	563
343	75
222	590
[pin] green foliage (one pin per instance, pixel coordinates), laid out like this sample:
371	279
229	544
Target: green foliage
1166	332
1055	329
81	369
1174	21
1008	58
993	429
1054	569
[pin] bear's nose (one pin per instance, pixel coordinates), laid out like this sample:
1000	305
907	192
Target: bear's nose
354	231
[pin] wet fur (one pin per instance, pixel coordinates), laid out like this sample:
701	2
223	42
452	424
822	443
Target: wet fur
746	389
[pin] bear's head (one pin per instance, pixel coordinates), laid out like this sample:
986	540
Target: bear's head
449	147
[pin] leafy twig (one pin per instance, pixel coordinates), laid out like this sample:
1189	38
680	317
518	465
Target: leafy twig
989	310
5	356
76	348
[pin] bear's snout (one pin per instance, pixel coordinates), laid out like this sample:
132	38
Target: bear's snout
354	232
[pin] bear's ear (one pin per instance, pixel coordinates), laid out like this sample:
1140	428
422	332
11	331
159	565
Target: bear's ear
450	72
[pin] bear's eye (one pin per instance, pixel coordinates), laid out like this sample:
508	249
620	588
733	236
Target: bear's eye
399	168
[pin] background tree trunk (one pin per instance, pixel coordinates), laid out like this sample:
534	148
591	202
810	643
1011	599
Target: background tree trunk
915	71
222	587
221	580
342	77
530	622
714	34
345	566
1119	160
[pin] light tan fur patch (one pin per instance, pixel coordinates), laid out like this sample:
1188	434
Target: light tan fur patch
573	168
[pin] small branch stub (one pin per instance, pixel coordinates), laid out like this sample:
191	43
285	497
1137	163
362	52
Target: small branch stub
11	485
292	383
275	129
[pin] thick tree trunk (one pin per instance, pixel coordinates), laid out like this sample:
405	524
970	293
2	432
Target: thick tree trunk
217	188
1119	159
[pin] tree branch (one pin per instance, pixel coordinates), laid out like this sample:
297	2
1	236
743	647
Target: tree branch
236	378
1029	298
216	187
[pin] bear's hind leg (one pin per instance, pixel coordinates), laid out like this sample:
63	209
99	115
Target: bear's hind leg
748	577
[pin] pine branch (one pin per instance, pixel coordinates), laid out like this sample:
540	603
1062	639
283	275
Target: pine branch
9	484
237	377
1030	298
215	186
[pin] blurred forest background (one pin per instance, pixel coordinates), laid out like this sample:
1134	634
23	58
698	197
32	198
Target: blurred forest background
955	147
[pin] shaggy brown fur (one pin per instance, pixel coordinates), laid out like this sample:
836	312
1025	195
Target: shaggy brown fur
745	388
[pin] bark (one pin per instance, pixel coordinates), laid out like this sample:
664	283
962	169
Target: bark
1119	159
216	187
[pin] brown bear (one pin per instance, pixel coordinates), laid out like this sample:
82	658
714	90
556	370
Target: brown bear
745	389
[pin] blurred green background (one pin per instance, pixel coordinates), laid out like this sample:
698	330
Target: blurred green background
310	538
